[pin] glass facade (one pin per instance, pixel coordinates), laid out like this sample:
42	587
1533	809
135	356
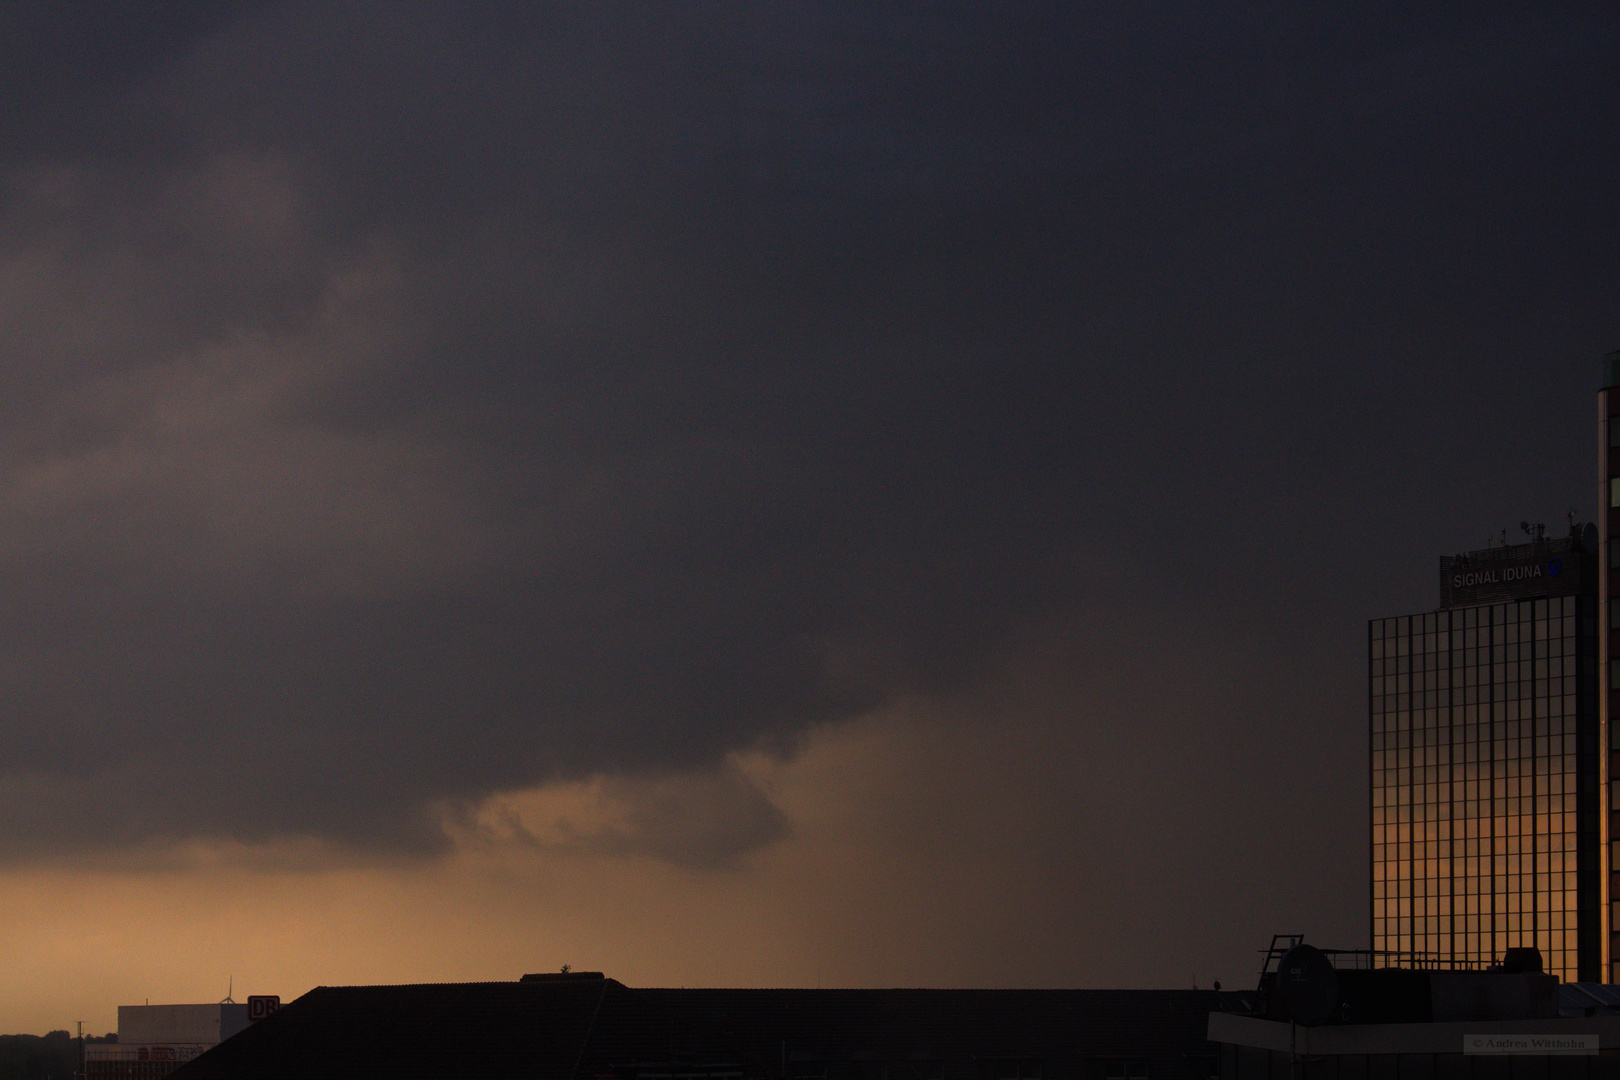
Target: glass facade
1484	784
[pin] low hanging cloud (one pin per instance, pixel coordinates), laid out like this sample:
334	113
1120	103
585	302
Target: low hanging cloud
320	513
701	819
428	424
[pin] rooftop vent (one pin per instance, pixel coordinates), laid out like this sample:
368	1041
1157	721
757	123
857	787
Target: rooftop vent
1525	961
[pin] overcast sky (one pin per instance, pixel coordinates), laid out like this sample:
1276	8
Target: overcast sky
752	493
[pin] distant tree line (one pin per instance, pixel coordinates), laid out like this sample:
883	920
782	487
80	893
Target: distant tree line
52	1056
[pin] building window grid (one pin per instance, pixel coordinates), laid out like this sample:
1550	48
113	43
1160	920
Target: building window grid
1473	852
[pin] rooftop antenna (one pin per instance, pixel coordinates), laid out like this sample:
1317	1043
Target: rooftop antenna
230	987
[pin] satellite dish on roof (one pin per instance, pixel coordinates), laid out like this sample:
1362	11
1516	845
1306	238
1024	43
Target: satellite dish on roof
1307	985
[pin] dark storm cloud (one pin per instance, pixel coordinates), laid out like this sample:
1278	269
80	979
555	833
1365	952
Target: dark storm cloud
406	402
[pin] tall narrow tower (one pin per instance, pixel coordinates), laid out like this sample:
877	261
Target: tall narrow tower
1609	640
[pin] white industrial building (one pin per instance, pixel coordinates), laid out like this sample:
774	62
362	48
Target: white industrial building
154	1040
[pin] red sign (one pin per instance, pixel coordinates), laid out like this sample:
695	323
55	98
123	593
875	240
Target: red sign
262	1005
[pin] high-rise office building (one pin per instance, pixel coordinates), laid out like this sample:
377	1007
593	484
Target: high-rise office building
1487	763
1485	772
1492	753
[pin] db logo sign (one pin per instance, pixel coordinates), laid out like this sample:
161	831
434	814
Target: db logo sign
262	1005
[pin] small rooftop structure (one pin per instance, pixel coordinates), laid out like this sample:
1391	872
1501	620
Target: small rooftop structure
1421	1023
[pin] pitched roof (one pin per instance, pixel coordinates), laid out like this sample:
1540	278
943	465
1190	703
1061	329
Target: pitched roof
594	1028
508	1029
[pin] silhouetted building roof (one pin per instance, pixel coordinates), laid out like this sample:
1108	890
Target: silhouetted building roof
600	1029
1588	999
